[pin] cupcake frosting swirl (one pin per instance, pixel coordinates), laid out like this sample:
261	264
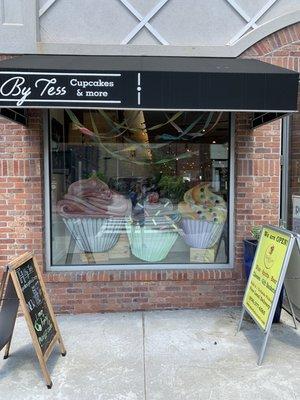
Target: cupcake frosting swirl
92	198
200	203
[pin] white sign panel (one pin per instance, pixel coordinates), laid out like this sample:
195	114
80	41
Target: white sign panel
296	213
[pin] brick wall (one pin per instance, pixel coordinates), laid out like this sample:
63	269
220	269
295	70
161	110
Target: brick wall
257	191
283	49
22	229
21	171
21	191
137	290
257	202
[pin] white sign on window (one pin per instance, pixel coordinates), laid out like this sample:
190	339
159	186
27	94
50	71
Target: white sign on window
296	213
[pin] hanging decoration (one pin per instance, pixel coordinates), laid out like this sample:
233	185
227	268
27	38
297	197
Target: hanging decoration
119	130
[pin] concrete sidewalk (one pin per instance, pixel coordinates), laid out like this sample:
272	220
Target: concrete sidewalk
161	355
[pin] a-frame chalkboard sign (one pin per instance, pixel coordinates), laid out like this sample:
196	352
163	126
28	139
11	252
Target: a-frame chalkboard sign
23	285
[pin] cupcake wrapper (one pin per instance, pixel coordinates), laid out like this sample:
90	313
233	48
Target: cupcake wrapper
201	234
150	244
94	234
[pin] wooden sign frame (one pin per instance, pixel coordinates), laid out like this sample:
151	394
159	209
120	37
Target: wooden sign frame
9	311
280	285
42	357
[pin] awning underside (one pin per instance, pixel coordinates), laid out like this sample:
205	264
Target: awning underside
169	83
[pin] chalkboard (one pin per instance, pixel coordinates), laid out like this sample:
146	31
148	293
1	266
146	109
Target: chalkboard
23	285
9	309
36	304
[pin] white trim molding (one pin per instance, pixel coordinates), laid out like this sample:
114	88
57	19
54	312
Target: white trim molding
143	265
46	7
144	22
129	27
252	22
234	50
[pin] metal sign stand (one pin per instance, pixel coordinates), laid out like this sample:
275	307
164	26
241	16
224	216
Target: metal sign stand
291	307
266	332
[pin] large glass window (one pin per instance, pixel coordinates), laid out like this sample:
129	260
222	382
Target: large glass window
292	132
138	187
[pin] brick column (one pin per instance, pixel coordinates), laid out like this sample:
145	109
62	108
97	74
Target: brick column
257	193
21	188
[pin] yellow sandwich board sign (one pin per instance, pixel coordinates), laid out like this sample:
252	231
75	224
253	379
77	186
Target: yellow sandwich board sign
267	277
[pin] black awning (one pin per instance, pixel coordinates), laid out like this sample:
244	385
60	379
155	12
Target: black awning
170	83
17	115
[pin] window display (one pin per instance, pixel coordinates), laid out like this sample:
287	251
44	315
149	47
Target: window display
138	187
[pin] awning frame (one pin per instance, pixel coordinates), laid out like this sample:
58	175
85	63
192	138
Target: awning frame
149	83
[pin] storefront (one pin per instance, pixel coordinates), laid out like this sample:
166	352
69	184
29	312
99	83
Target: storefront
139	191
290	204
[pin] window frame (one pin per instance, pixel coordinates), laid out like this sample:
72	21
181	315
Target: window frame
142	266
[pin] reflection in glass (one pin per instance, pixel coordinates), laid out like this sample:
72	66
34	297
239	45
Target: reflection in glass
132	187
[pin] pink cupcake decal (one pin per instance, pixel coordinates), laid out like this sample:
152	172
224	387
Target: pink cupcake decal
94	214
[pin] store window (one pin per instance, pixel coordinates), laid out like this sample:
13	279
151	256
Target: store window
291	181
290	200
140	187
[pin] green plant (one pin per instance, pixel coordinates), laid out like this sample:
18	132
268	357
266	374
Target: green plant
256	231
98	174
172	187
